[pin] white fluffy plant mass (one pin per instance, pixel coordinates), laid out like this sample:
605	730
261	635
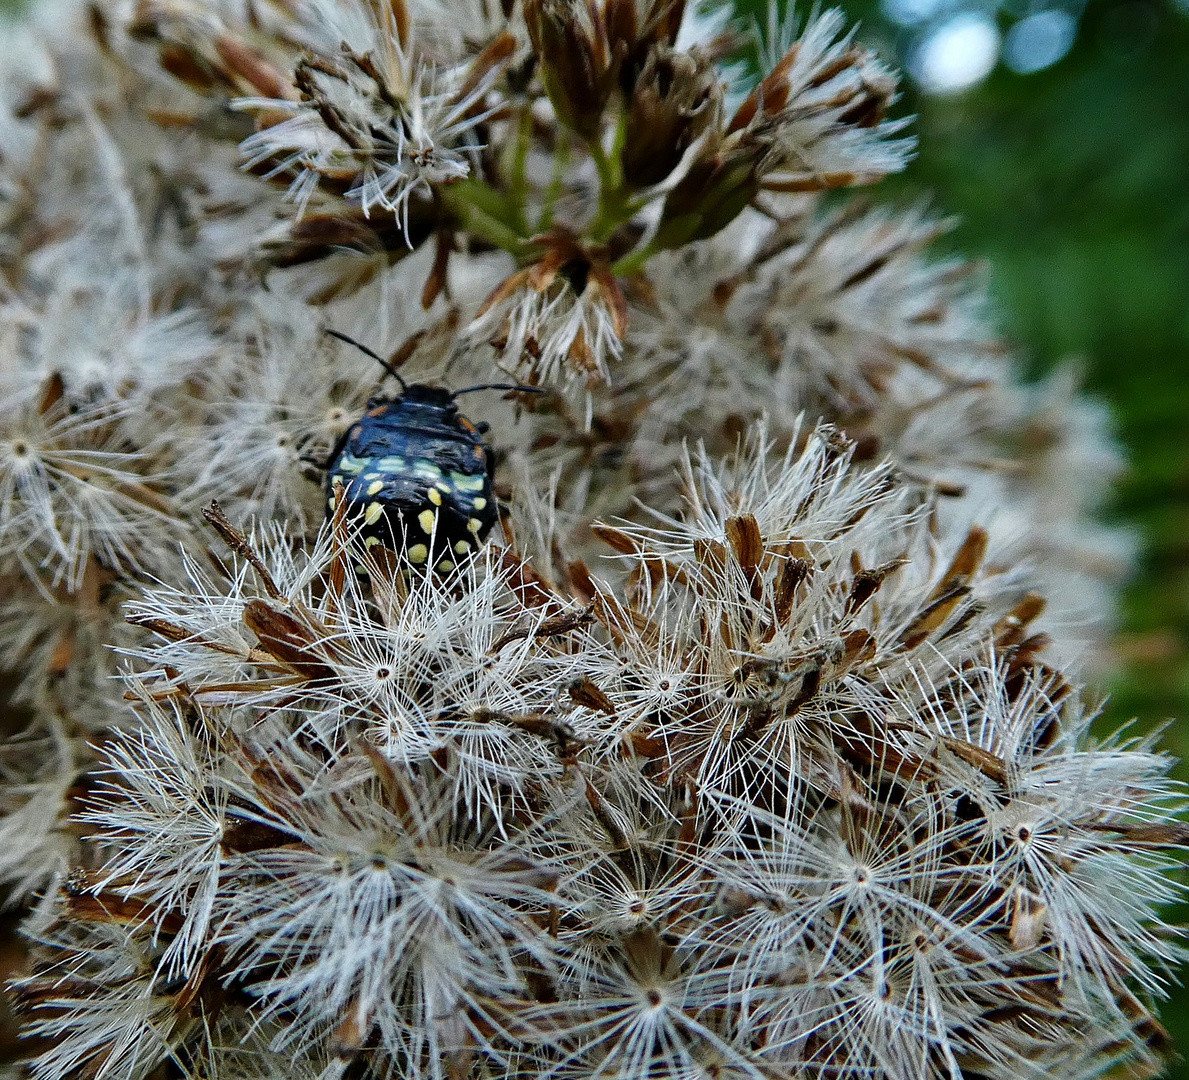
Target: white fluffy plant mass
750	745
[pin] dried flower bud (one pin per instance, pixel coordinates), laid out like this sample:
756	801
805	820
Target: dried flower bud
718	184
635	34
820	112
815	122
570	39
675	98
564	317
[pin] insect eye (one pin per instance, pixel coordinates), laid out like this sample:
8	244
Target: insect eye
482	427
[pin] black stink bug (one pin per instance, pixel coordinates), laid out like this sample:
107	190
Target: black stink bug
415	472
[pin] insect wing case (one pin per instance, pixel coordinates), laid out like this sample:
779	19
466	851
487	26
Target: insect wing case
418	475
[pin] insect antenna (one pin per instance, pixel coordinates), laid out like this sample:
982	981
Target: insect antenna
500	386
368	352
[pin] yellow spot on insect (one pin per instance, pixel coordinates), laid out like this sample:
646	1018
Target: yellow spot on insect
371	541
445	566
330	503
434	496
349	464
474	525
372	514
480	502
375	487
418	553
462	547
391	464
426	519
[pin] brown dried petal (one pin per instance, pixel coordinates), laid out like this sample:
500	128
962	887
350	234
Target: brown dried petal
585	693
286	639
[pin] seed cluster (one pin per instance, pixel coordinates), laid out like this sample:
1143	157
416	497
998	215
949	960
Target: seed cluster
790	795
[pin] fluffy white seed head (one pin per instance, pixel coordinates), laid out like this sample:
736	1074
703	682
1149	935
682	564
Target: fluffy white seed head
747	746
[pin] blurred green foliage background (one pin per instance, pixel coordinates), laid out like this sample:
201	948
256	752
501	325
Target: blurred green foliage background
1072	184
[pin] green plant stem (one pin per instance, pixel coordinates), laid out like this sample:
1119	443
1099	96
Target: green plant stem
484	212
557	181
616	204
518	185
